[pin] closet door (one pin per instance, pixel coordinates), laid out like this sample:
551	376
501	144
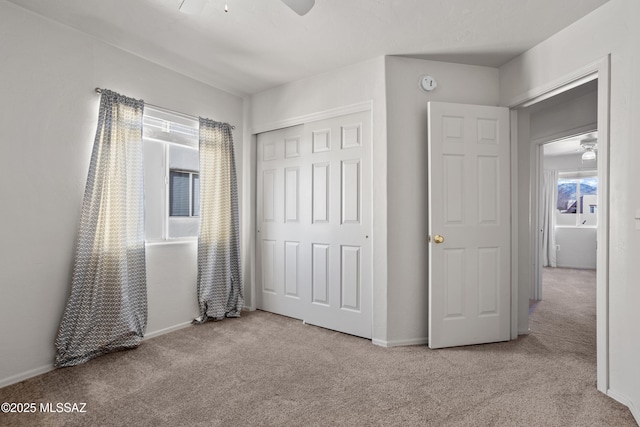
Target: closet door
314	223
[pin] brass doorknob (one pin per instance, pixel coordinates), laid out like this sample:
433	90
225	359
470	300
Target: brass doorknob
438	238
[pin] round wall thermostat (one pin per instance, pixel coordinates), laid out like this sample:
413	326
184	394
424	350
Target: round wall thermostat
428	83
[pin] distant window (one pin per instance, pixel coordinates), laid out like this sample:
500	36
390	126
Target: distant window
577	199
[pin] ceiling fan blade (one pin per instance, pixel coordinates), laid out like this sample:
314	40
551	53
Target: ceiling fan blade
301	7
192	7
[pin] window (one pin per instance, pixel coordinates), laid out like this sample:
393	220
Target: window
577	199
172	185
184	193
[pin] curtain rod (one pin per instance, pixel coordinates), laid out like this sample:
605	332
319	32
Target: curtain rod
188	116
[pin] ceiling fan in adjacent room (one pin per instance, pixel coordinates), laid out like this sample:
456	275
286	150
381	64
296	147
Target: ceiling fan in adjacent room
193	7
590	145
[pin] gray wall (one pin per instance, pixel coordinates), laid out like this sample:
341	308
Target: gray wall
49	115
572	115
400	284
407	210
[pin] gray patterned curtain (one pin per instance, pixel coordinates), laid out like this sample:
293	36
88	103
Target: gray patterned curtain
107	308
219	286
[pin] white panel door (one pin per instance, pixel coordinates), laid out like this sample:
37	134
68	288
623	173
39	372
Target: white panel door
314	223
469	224
279	210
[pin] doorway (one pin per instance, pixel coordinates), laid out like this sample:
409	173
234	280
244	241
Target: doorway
563	301
563	132
526	162
568	206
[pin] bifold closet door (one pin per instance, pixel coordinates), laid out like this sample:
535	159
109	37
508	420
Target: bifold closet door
314	223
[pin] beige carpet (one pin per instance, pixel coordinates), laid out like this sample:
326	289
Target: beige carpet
264	369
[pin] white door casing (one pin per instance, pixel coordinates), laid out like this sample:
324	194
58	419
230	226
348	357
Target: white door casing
314	223
469	206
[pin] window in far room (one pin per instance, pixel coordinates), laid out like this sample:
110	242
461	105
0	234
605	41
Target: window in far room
577	199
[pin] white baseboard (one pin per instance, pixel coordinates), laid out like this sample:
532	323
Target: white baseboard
524	331
400	343
578	267
634	411
25	375
626	402
48	368
166	330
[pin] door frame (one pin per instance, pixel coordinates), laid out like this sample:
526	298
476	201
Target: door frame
599	70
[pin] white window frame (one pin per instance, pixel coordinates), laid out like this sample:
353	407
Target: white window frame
168	129
191	173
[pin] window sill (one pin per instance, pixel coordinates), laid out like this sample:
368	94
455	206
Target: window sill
182	241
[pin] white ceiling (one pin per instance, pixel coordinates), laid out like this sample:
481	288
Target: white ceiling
259	44
567	146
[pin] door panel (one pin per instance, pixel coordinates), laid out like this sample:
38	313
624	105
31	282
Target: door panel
291	268
469	206
350	192
291	194
269	266
321	179
314	223
350	280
